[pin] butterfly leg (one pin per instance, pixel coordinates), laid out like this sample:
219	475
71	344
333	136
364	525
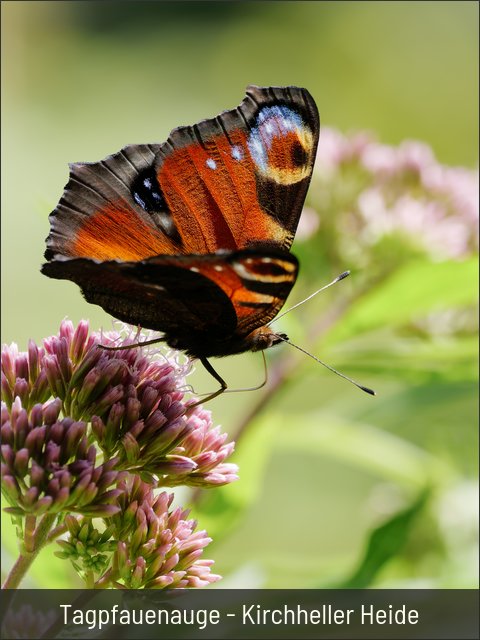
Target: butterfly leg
221	381
134	345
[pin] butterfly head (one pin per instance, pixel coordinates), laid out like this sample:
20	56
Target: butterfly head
263	338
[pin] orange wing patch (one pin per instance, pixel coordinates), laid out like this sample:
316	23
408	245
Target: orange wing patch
116	232
212	196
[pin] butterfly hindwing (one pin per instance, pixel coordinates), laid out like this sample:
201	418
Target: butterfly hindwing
228	182
256	282
204	304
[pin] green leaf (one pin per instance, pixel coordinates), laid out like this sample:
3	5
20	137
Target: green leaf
415	290
384	543
365	446
407	358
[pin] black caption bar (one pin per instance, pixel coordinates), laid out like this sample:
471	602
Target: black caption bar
242	614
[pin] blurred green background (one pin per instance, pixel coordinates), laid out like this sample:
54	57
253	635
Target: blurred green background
336	488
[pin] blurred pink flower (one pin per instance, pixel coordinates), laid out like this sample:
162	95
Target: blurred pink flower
25	621
370	190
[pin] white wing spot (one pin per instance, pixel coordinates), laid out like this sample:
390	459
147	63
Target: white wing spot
195	269
211	164
237	153
218	267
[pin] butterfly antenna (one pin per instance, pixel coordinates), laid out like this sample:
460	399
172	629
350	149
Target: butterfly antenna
327	366
343	275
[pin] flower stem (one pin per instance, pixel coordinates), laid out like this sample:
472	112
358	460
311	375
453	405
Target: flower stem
25	559
55	533
105	580
89	580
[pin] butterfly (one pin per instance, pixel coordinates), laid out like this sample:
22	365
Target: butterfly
191	237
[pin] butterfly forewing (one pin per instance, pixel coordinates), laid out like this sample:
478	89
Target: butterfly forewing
226	183
249	168
97	216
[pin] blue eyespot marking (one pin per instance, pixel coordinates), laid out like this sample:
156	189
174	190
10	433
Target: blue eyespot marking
284	118
273	124
147	193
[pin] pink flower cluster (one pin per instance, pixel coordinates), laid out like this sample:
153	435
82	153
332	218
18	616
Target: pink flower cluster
93	431
133	399
161	547
374	190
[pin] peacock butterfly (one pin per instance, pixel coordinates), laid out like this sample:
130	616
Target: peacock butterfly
191	237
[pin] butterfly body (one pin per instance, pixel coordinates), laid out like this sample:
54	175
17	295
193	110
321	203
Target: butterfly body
192	237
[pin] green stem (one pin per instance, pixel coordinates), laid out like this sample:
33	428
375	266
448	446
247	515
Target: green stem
26	558
89	580
29	533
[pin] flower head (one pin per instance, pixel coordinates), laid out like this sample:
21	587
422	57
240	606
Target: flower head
131	399
88	433
49	465
147	544
207	448
160	547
